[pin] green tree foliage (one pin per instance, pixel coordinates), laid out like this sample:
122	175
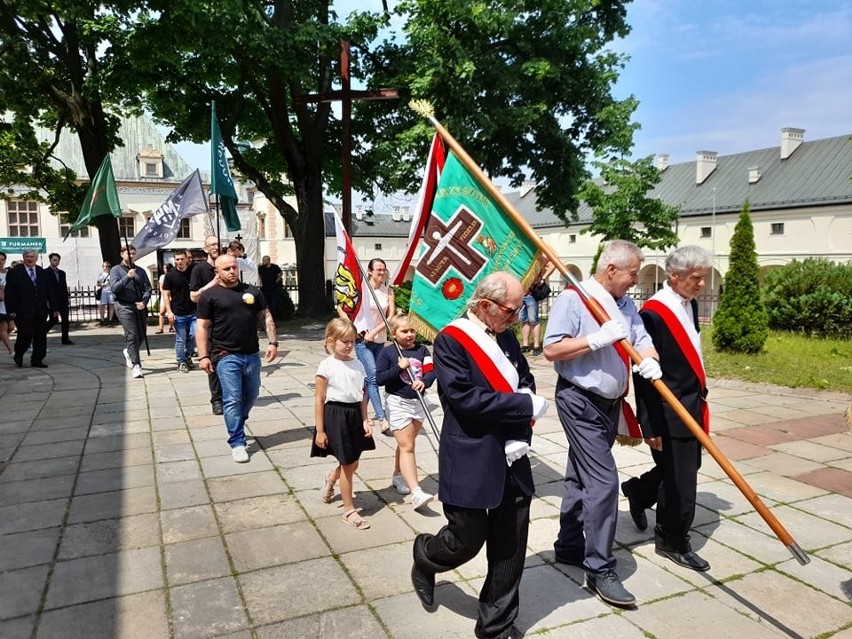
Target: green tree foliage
521	87
813	297
741	323
54	72
621	208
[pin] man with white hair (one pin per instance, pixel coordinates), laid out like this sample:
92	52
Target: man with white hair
594	374
30	299
671	318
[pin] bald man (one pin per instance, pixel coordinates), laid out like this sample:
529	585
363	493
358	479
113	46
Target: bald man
226	333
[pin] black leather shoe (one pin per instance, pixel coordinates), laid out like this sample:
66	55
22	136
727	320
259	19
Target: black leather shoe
686	559
68	342
19	361
424	585
608	587
217	408
636	511
38	364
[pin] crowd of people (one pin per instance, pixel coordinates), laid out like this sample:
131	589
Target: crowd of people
485	387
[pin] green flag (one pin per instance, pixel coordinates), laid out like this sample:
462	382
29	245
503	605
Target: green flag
468	236
221	183
101	198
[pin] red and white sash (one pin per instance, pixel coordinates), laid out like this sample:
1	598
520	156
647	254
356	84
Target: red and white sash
686	343
486	352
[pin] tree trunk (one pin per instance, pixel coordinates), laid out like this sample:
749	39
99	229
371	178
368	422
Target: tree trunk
310	264
93	142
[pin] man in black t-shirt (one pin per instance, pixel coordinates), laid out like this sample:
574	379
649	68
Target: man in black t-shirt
227	326
203	278
180	309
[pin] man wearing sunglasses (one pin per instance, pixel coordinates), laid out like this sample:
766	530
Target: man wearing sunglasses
485	481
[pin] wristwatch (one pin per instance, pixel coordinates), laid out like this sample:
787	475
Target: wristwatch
273	344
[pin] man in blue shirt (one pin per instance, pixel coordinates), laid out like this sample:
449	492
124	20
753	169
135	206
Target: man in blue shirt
593	378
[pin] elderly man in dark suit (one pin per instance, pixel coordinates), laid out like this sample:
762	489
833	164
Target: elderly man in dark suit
29	300
485	481
59	282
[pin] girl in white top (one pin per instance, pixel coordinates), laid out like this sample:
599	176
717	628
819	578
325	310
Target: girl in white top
343	428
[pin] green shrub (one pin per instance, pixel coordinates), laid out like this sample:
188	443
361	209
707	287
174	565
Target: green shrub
402	296
741	324
813	297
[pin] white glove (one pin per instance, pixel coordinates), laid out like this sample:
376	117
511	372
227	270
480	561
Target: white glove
515	449
649	368
539	403
609	333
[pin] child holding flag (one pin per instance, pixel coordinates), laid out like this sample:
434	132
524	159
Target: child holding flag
403	376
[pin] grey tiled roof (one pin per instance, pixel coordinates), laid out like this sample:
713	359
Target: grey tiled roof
817	173
377	225
138	133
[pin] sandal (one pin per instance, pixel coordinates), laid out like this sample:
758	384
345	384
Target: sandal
352	518
328	490
159	331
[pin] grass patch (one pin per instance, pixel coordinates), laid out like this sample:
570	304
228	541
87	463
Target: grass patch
787	359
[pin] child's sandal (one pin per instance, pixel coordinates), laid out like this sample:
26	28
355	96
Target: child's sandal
328	490
352	518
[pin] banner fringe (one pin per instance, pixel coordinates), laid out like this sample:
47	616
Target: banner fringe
626	440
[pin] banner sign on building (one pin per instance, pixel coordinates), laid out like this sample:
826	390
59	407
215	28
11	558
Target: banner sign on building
20	244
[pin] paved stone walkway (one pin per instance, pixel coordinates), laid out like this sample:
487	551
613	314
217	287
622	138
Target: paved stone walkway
122	515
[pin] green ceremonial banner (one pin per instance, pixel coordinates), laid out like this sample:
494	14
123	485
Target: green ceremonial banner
468	236
101	198
220	175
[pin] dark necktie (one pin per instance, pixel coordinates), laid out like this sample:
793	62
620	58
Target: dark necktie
32	275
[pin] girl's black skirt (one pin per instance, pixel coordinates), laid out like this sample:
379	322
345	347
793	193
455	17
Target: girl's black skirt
345	430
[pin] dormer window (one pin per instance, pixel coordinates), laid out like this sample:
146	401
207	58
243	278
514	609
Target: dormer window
149	163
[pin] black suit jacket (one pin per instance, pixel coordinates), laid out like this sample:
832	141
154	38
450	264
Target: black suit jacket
477	423
655	415
60	287
25	300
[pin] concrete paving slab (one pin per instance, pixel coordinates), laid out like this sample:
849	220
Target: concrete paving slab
109	536
196	560
32	516
264	547
207	608
192	522
354	622
809	531
22	590
138	616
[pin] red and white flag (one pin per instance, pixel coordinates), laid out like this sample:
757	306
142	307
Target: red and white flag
434	166
350	287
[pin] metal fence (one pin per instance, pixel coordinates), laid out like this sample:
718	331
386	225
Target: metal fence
85	307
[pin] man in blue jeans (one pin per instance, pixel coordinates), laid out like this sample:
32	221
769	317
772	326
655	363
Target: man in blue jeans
180	309
226	334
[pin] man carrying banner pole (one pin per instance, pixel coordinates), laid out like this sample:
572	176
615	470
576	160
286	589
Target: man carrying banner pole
595	308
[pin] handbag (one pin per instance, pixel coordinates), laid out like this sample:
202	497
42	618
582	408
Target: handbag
99	293
540	290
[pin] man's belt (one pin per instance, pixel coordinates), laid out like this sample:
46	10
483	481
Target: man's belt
603	403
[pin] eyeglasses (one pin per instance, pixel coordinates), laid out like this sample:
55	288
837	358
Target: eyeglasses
507	309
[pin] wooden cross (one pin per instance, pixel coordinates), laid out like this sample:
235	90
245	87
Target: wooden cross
346	95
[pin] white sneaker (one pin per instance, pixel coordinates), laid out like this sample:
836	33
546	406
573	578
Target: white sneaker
127	359
137	371
400	485
239	454
420	499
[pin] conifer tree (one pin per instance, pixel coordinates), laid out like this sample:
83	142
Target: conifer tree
741	324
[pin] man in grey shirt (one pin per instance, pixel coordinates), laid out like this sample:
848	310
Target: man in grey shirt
593	378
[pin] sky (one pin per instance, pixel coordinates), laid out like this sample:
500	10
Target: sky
728	75
722	75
